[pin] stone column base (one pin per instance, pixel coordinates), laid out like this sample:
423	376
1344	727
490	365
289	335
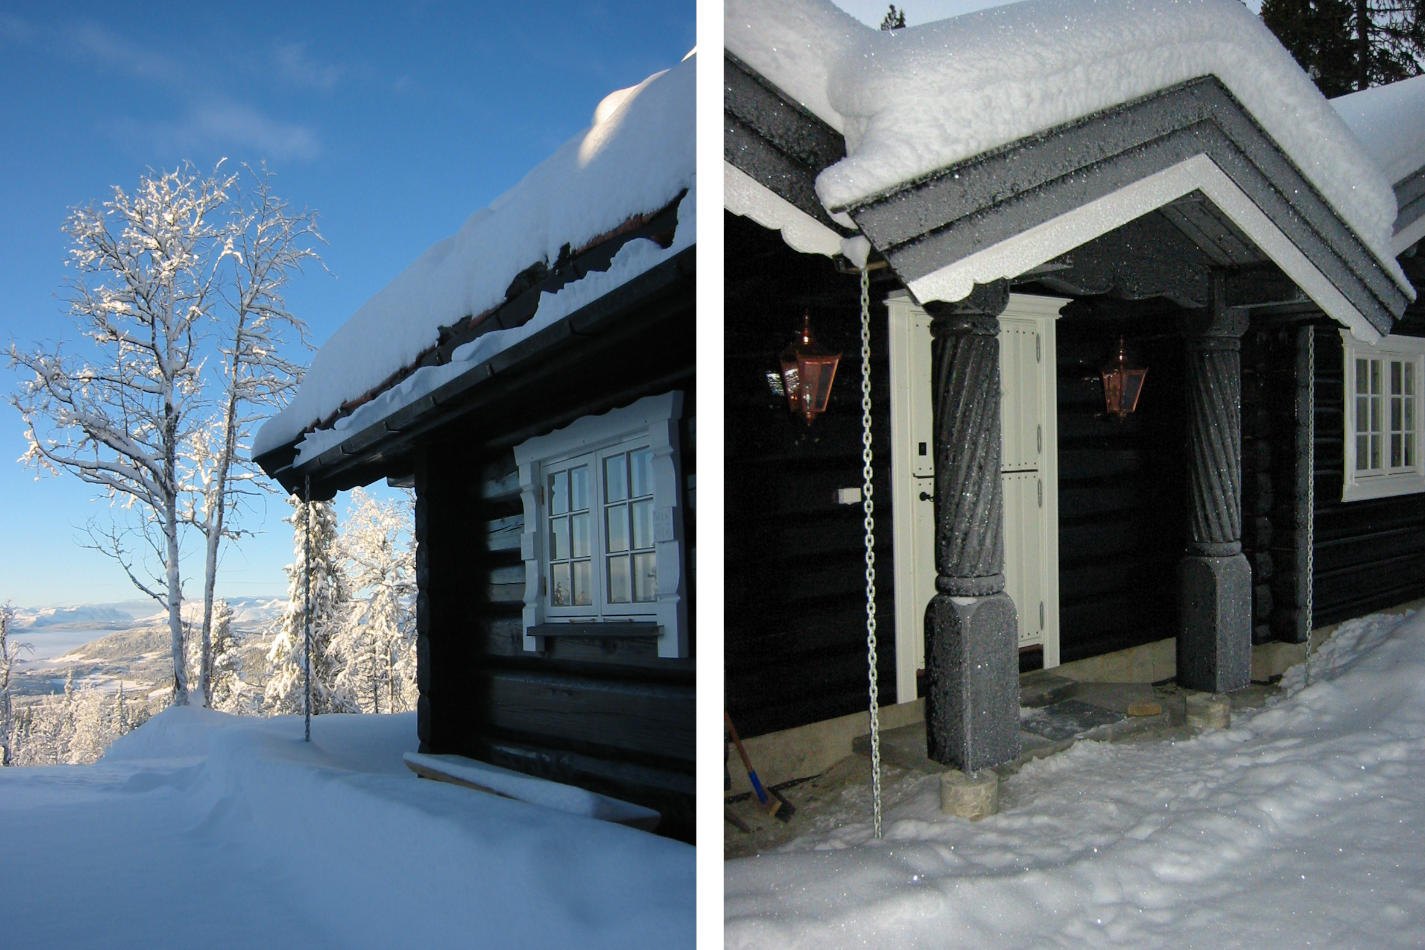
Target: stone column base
972	669
1215	623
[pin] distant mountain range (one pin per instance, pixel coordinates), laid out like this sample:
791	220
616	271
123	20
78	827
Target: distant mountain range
247	611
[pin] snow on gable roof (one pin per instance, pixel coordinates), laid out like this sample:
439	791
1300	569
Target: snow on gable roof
923	98
636	157
1389	121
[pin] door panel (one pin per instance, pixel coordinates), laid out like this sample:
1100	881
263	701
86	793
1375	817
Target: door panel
1028	476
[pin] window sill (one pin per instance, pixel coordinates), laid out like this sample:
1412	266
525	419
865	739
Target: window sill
619	629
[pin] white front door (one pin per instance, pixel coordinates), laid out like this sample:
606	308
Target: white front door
1029	475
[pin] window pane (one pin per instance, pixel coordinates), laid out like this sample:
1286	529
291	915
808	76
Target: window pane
579	535
643	523
582	595
579	487
619	585
1375	377
1363	452
1375	451
1397	383
1375	415
616	527
1409	379
645	578
1397	451
1363	414
616	478
1396	415
1363	376
558	538
559	593
641	462
559	493
1409	449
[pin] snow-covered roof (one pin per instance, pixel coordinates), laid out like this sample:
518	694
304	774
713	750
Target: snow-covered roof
916	101
1389	121
636	157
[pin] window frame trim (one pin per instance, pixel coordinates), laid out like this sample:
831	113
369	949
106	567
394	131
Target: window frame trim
653	421
1355	485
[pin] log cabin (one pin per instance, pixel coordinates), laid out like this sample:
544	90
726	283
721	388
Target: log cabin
1040	198
531	377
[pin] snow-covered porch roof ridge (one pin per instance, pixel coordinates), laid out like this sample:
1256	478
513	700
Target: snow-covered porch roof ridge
918	106
635	159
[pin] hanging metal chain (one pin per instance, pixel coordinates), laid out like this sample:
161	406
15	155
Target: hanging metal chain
868	505
1310	491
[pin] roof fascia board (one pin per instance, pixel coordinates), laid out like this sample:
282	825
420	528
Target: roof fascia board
775	141
962	211
1410	218
745	196
1062	234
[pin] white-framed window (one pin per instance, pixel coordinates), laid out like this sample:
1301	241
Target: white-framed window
602	541
1384	426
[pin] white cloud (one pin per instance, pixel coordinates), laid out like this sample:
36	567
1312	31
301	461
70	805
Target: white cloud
296	67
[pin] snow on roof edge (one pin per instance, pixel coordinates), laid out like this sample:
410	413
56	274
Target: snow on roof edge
920	99
635	258
635	158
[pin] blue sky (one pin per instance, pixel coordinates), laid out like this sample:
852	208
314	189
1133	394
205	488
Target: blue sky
393	121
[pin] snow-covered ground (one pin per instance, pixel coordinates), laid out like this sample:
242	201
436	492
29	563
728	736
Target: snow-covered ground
202	829
1302	825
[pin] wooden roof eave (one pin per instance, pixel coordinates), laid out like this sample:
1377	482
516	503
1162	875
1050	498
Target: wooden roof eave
382	448
959	216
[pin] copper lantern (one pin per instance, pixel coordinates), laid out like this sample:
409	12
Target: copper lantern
807	374
1122	385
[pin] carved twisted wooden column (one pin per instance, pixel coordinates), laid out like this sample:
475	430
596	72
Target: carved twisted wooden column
971	634
1214	649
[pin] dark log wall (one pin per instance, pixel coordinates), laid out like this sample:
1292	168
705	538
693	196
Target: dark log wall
794	577
1274	479
1122	488
1368	554
607	714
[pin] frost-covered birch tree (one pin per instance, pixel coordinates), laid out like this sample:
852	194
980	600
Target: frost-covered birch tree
118	414
328	592
178	292
265	244
376	643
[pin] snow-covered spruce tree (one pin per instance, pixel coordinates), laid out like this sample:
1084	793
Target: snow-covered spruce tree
893	20
226	675
8	649
93	726
328	592
376	643
265	244
118	414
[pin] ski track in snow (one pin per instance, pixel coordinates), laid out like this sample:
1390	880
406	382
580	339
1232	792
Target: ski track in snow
1300	825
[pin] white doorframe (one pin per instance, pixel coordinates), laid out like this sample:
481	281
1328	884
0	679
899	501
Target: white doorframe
1031	479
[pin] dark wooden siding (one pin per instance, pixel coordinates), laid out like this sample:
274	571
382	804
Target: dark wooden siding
1368	554
604	713
794	573
1122	488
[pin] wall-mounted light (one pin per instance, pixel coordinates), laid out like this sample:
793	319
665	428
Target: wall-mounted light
1122	385
807	374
